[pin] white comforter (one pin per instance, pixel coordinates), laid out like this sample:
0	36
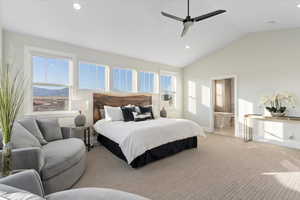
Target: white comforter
135	138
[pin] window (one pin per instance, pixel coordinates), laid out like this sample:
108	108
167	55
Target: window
122	80
50	84
92	76
147	82
192	101
168	87
167	84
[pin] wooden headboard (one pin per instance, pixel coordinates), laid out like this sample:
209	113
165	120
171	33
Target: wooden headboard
100	100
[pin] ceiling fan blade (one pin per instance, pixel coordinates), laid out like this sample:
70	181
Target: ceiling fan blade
209	15
172	16
186	27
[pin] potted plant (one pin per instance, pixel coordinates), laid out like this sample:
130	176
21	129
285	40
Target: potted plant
279	103
11	98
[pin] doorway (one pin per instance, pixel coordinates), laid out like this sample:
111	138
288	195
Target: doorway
224	106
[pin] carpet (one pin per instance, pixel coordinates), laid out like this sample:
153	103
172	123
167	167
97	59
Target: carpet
223	168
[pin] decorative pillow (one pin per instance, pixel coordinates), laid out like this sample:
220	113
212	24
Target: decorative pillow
31	125
141	116
21	138
127	113
137	109
50	129
146	109
19	196
113	113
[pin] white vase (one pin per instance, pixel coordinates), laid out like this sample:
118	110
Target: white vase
80	120
163	113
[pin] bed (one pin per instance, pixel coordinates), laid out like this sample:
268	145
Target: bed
140	143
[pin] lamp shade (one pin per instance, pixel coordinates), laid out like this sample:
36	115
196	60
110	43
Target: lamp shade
80	105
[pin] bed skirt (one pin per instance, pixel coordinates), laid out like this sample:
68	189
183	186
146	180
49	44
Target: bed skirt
150	155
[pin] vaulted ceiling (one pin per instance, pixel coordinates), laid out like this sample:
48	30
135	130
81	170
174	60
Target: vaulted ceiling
136	28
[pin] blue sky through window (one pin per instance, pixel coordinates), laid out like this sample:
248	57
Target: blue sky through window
56	71
50	70
166	84
91	76
147	82
122	79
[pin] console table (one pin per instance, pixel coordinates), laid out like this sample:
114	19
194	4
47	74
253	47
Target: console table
248	133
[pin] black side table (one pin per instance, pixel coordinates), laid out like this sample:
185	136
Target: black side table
86	134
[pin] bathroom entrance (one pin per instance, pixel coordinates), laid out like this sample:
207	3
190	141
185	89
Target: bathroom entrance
224	106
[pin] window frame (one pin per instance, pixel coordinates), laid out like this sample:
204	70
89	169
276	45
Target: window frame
134	80
156	82
107	77
30	52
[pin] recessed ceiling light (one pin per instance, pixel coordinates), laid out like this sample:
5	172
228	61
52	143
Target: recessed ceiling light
76	6
298	6
187	47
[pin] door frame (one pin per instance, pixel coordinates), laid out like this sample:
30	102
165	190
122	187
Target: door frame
212	108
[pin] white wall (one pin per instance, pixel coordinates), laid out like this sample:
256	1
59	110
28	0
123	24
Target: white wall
16	43
263	63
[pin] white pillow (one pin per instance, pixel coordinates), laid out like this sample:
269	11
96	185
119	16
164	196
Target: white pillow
113	113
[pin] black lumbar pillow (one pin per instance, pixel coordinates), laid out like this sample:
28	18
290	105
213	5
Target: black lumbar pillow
141	116
127	113
146	109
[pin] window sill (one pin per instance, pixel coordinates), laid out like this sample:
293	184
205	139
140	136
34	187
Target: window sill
58	114
148	93
92	90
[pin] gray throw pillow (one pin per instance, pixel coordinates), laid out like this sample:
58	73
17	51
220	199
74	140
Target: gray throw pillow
21	138
31	125
50	129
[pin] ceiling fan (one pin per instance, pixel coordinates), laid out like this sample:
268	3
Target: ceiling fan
189	21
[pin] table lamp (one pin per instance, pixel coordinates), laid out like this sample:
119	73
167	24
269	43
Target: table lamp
81	106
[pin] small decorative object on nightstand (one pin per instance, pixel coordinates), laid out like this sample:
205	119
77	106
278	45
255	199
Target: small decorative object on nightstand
80	119
167	100
163	113
80	105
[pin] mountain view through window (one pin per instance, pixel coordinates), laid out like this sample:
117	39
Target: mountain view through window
50	84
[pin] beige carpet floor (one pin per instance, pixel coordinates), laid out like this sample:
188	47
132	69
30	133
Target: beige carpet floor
222	168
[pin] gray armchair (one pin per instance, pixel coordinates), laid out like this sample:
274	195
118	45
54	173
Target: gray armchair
32	157
30	182
60	161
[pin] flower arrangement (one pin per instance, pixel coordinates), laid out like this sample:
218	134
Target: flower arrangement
279	103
